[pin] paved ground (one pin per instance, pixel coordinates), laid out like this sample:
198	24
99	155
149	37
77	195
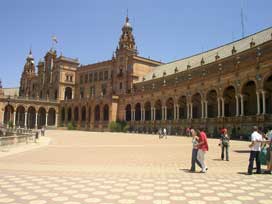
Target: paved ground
110	168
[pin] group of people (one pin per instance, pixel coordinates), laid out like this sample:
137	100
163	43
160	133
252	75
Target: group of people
162	133
259	142
200	147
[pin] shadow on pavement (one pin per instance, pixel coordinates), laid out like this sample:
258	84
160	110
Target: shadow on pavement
242	151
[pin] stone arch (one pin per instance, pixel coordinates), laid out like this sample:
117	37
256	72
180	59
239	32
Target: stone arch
31	117
9	112
76	114
212	104
128	112
229	101
83	113
138	112
41	117
106	112
158	110
268	93
147	107
97	113
20	116
51	117
249	98
196	102
90	113
182	102
62	114
69	114
68	93
170	108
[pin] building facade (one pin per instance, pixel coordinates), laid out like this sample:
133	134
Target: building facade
229	86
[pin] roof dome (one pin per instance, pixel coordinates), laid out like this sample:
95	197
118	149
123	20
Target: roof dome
127	24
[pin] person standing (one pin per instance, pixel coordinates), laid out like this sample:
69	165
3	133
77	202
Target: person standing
255	149
202	149
269	153
194	151
224	143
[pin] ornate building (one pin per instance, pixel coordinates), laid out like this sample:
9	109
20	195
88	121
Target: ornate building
229	86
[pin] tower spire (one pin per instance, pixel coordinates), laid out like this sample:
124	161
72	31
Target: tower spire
127	41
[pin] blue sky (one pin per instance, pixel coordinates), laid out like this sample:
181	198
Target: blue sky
90	29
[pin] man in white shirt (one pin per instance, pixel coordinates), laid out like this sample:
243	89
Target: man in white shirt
255	147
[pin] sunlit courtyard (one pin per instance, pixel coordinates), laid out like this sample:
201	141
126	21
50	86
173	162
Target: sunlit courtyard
88	167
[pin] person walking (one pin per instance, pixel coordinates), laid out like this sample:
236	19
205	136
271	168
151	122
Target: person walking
194	151
224	143
202	149
165	133
255	148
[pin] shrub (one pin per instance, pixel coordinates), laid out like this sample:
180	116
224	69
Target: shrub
71	126
118	126
10	124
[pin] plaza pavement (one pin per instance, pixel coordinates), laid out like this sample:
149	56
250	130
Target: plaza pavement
80	167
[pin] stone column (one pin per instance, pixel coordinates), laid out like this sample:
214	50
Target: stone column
242	105
151	114
46	119
14	118
36	120
258	102
25	119
191	110
175	111
3	117
218	107
165	113
154	112
264	105
188	110
223	107
237	105
143	113
202	109
56	120
125	115
206	109
177	116
162	113
132	114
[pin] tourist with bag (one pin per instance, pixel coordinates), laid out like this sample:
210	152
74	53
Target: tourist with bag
224	143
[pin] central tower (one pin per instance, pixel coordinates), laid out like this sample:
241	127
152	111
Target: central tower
125	52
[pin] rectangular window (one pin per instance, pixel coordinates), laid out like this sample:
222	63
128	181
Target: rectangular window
86	78
92	91
95	76
104	89
106	75
120	85
81	79
71	78
100	76
81	92
90	77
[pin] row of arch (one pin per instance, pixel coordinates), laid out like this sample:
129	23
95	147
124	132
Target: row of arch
250	102
29	117
85	113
